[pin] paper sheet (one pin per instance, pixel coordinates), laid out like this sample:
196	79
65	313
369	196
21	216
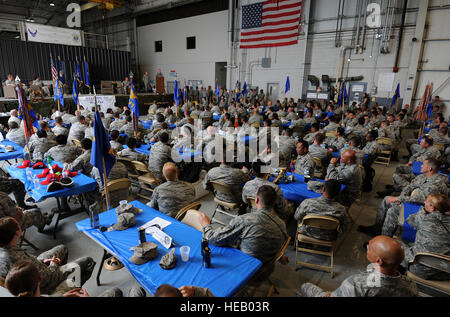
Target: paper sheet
155	221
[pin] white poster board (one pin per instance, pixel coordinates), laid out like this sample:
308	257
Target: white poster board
50	34
104	101
386	81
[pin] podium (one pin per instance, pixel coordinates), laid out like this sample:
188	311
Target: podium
160	85
9	92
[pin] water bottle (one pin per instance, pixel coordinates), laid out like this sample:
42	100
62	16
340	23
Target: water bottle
307	177
142	237
206	253
93	214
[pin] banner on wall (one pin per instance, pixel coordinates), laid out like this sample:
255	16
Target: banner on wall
50	34
104	101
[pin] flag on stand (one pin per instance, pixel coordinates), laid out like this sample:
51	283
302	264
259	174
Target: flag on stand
75	90
237	90
184	92
61	72
59	94
78	74
288	85
101	148
396	95
26	113
86	73
133	102
217	89
176	93
53	69
244	89
342	95
429	106
270	23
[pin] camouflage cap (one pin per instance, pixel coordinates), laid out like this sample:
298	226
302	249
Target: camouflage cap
316	186
124	221
144	252
8	207
169	261
127	208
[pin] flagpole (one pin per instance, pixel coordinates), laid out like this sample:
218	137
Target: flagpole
26	118
103	163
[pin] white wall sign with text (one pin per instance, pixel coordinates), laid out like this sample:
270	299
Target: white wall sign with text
50	34
104	101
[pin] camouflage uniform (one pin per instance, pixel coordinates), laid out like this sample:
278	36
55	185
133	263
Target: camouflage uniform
231	176
57	130
331	127
63	153
116	125
323	154
67	118
17	136
128	129
431	237
370	283
30	217
305	163
172	196
39	146
291	116
251	188
89	133
349	175
359	130
287	146
106	122
207	118
324	207
359	153
53	276
387	214
259	234
338	143
310	137
116	146
76	132
403	174
81	164
371	148
256	118
132	155
160	154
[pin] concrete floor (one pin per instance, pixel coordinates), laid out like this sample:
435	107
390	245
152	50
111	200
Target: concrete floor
350	257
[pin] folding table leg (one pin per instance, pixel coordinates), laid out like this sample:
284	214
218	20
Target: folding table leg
105	256
57	218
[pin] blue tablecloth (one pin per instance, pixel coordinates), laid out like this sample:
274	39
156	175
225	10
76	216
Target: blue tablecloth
246	138
409	233
185	156
417	166
82	184
287	124
230	268
298	191
18	153
148	125
52	124
216	117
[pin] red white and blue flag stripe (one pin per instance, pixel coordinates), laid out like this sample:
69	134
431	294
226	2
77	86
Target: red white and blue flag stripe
270	23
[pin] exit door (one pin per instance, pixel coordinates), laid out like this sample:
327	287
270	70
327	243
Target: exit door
221	74
273	91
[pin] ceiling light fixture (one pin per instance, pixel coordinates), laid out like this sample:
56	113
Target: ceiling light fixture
52	4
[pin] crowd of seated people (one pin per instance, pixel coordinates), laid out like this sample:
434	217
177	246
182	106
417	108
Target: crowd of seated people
337	144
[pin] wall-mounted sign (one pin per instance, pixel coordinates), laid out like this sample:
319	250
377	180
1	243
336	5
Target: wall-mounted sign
50	34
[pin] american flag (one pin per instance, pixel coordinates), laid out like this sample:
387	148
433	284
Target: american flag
270	23
54	71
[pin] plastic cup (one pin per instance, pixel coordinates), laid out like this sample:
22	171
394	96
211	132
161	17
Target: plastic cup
184	250
123	202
